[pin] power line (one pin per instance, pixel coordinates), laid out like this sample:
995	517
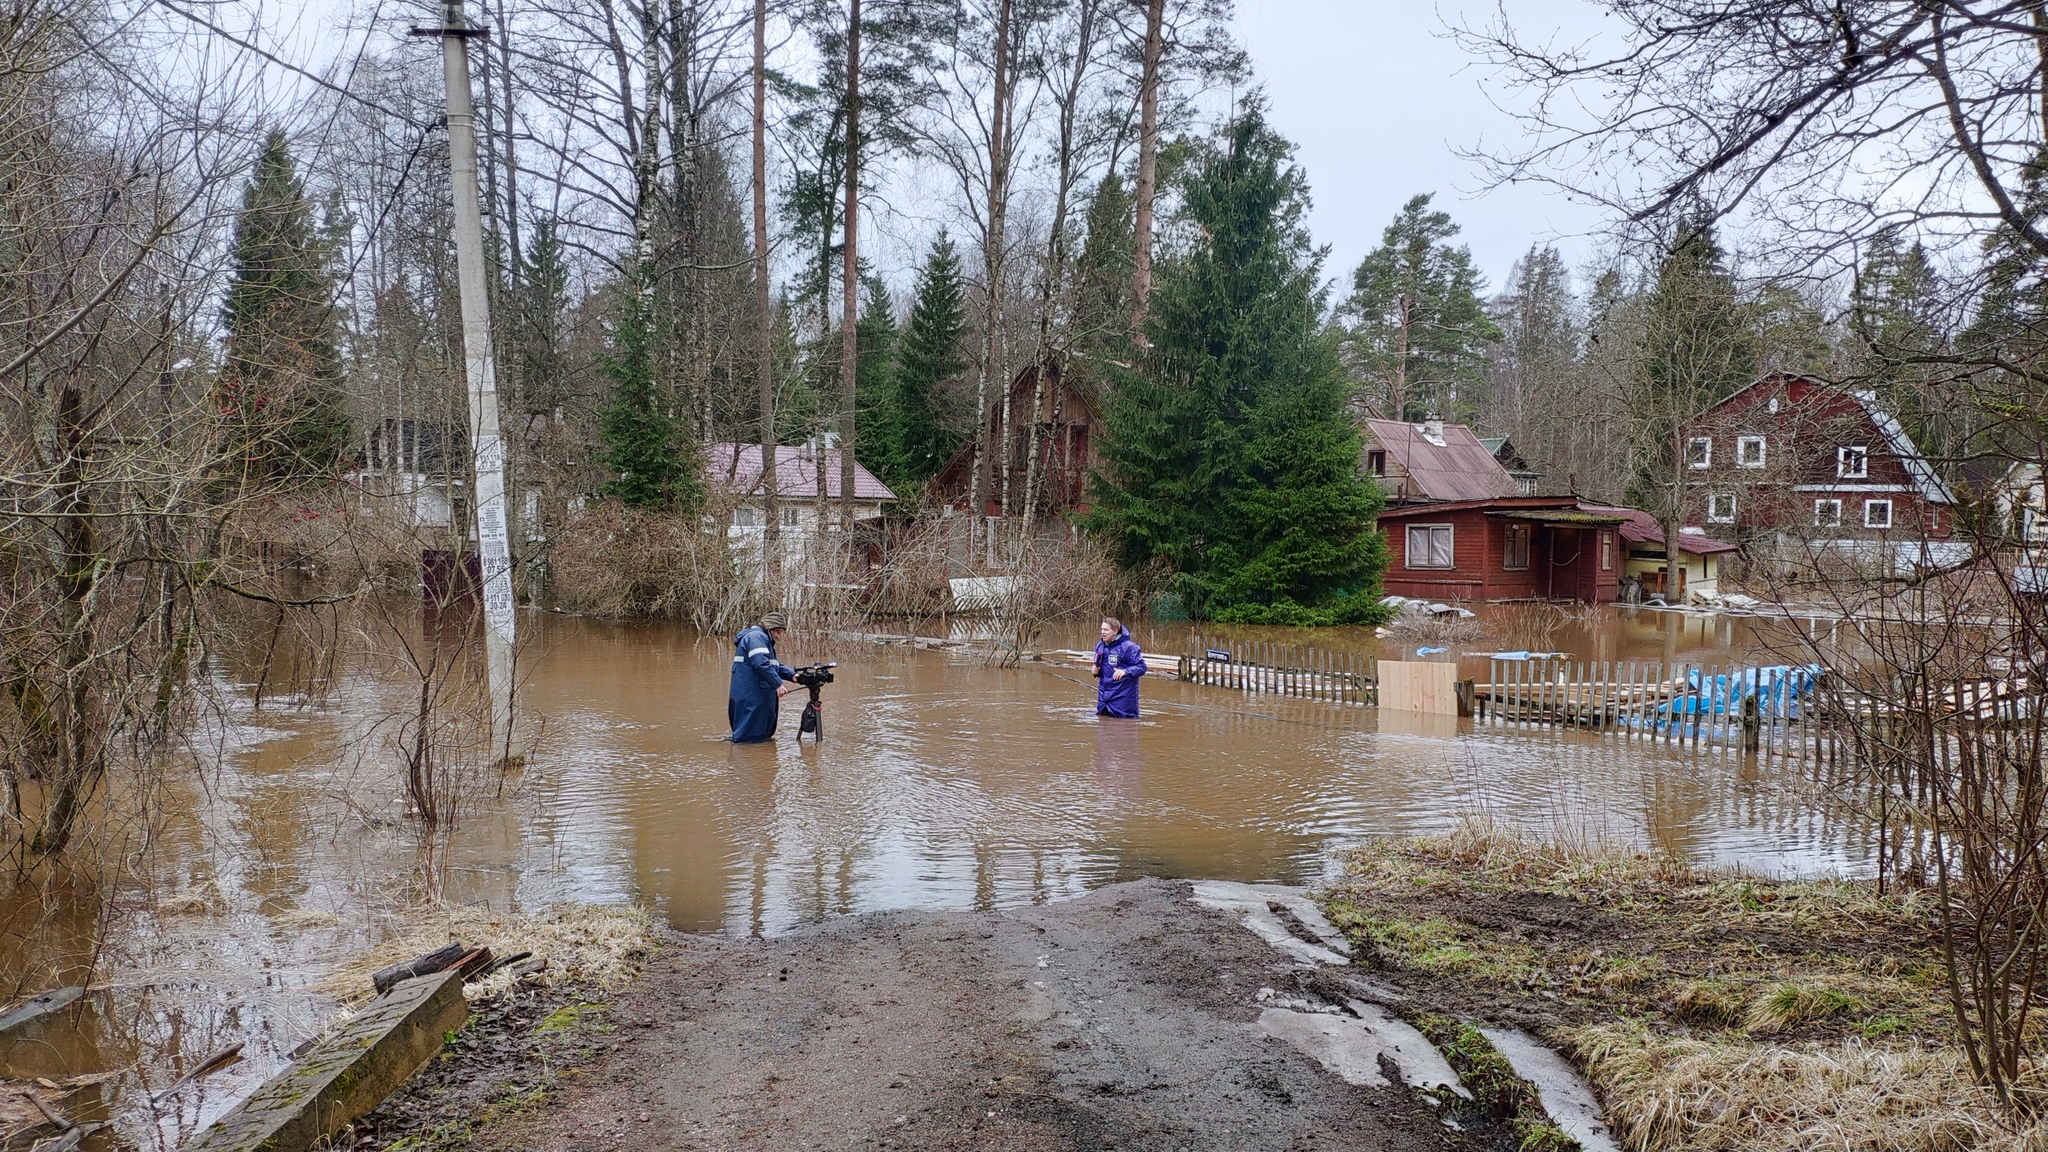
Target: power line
322	81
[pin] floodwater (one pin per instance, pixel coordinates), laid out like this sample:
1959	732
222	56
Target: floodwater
942	783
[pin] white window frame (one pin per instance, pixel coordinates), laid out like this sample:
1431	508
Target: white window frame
792	517
1742	444
1408	553
1862	458
1528	535
1833	506
1607	551
1706	454
1714	502
1870	506
746	516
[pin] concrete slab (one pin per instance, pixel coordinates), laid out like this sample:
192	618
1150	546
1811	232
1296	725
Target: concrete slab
1568	1099
347	1074
1352	1046
1252	904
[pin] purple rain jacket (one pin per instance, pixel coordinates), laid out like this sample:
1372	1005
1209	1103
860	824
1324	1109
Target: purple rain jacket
1115	697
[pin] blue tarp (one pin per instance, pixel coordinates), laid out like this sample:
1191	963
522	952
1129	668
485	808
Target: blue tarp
1777	689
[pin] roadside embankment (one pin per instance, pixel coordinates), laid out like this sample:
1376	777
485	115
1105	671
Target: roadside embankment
1709	1010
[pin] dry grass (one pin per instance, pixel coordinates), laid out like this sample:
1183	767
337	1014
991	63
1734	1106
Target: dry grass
587	946
1753	1014
1708	1094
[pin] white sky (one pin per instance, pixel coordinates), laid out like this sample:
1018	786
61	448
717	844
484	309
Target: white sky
1380	101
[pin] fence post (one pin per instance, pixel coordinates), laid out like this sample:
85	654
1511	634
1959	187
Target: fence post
1752	730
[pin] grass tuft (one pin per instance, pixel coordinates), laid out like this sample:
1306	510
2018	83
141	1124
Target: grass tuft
1712	1002
1790	1005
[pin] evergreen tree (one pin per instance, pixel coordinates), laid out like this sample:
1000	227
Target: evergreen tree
877	338
1230	455
654	465
1699	346
1103	303
1537	354
1419	331
281	384
912	441
542	320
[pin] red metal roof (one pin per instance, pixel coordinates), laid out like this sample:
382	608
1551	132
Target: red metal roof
1458	469
1640	527
796	476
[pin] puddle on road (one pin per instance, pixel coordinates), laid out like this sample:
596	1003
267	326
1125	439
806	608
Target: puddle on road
944	784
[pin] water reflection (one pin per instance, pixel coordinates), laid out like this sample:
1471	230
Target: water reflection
944	784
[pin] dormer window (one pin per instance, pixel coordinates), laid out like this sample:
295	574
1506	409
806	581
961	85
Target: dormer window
1852	463
1749	451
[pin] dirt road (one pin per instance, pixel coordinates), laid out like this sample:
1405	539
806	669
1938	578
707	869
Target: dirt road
1128	1019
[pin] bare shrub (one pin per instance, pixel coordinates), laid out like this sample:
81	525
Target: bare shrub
619	562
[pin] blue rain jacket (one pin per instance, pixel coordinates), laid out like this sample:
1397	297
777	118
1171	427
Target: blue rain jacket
756	674
1115	697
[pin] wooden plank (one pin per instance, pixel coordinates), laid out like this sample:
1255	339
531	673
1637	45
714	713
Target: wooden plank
348	1073
1419	686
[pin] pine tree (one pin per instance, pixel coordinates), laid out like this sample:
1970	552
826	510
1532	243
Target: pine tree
1539	343
912	441
1419	331
280	387
542	320
1230	456
654	465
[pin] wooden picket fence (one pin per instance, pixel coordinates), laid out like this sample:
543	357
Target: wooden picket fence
1770	710
1266	667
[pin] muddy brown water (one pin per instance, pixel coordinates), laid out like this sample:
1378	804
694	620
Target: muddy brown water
942	784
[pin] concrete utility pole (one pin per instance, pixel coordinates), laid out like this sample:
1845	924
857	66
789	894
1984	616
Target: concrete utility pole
487	447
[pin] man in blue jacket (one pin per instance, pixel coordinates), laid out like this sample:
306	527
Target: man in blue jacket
757	681
1118	664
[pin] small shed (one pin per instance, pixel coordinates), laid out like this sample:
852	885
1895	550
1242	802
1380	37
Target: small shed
1699	557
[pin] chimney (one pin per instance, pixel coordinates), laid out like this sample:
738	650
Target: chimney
1433	431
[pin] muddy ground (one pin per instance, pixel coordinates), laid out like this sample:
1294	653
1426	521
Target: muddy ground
1127	1019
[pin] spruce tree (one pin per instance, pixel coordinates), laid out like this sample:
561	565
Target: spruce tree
1103	303
912	441
877	338
1230	456
280	387
654	465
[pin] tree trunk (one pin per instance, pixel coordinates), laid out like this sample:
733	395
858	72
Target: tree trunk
1148	162
992	265
849	321
764	320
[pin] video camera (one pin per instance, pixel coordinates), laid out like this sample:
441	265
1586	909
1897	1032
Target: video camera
813	677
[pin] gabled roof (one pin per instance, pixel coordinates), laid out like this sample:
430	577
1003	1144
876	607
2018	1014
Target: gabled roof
1902	446
1460	468
796	476
1926	480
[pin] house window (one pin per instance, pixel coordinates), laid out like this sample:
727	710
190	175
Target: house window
1877	513
1749	451
1515	556
790	517
1699	452
1827	513
1852	463
1721	508
1429	546
1607	551
746	517
1376	462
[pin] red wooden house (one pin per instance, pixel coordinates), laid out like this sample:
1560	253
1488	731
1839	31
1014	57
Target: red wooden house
1504	548
1791	457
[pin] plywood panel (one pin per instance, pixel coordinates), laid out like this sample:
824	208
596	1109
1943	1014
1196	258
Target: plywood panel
1419	686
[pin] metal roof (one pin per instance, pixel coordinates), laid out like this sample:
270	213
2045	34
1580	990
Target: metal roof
1639	527
1458	469
796	476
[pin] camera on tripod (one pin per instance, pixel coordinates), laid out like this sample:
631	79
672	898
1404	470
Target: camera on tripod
813	677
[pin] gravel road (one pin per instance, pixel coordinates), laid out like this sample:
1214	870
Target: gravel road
1126	1019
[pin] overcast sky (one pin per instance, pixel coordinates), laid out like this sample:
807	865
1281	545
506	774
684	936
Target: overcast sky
1381	102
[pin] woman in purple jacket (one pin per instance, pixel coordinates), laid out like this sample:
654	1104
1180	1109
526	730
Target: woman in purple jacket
1118	664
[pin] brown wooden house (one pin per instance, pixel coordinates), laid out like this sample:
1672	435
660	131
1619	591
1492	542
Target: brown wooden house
1068	429
1504	548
